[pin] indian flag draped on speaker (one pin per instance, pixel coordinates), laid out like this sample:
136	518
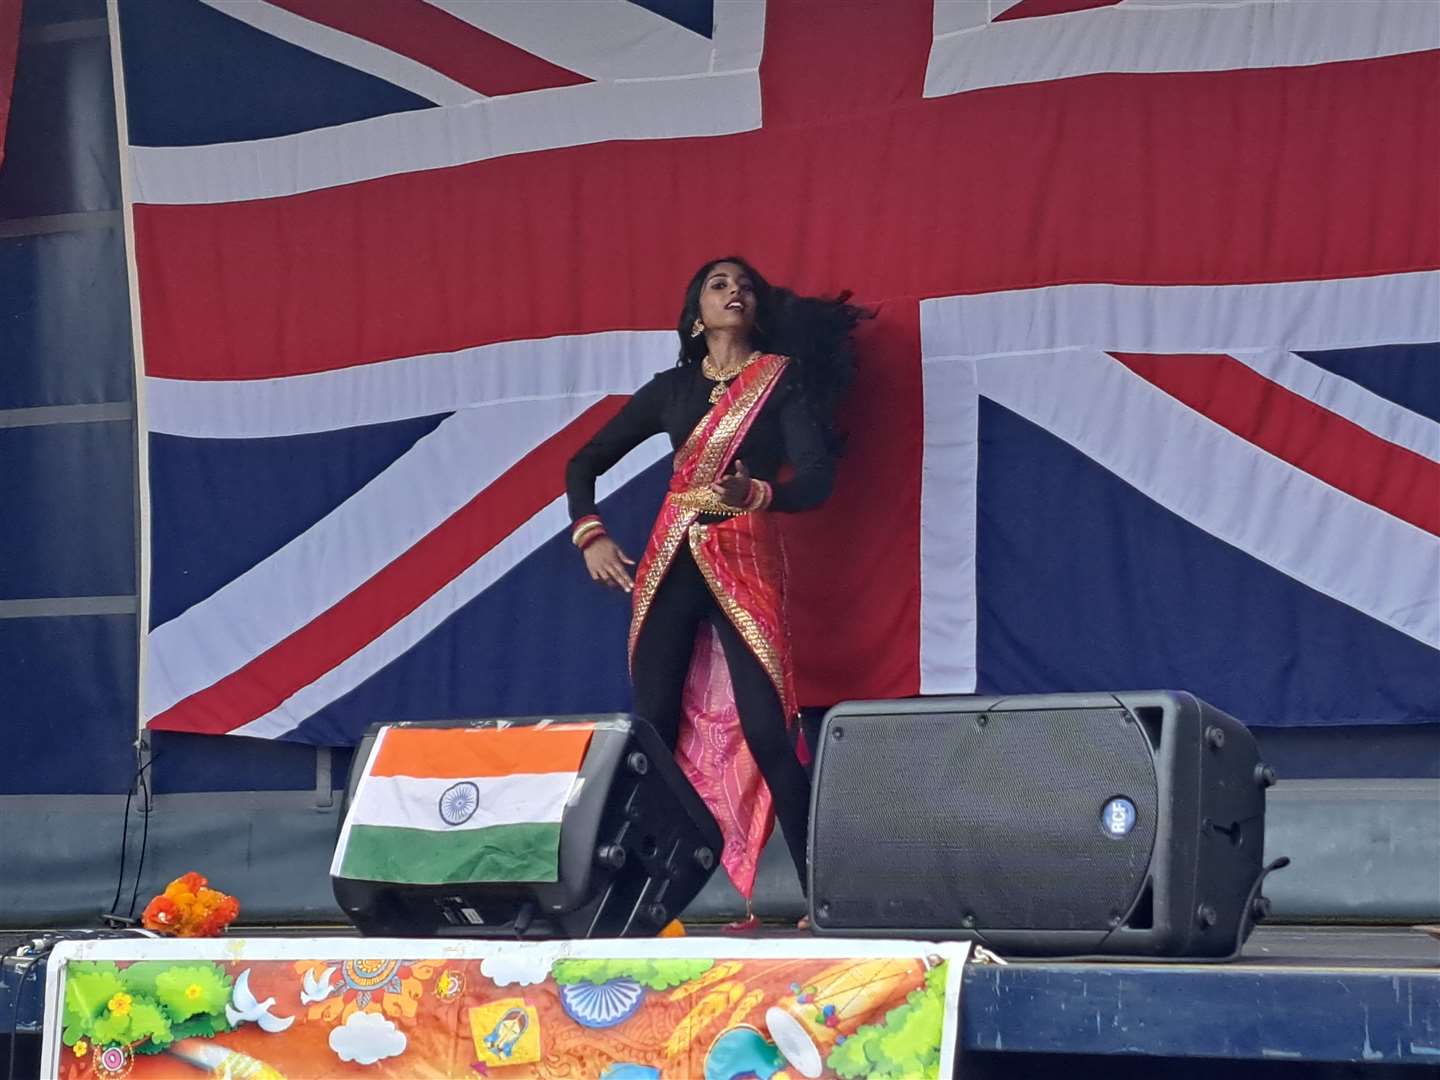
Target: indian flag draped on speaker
438	805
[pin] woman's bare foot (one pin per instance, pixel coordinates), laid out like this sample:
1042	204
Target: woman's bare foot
804	923
747	925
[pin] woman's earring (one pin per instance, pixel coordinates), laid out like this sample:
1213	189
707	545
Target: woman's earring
697	329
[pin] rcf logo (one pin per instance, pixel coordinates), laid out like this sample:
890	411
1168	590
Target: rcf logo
1118	818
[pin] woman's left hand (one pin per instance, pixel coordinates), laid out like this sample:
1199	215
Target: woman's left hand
734	487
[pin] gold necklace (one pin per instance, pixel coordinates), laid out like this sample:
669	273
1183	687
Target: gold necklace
721	379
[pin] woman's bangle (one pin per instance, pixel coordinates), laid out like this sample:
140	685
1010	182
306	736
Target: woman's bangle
598	534
586	531
760	495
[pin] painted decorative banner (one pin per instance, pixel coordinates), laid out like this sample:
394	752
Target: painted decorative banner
483	803
286	1009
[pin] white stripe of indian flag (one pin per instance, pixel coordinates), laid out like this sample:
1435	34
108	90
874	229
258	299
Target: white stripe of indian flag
442	805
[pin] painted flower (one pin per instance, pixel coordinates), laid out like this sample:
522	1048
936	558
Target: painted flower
81	1048
391	987
120	1004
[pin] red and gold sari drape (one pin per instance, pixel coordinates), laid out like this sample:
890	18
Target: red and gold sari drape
742	561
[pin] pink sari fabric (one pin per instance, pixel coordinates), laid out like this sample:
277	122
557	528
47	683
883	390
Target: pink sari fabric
743	562
715	759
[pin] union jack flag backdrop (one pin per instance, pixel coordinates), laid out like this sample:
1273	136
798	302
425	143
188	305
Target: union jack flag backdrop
1152	399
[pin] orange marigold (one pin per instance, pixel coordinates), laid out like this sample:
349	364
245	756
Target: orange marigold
189	908
160	914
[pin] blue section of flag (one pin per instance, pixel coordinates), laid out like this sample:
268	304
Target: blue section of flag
194	75
200	541
697	15
1408	375
542	639
1086	584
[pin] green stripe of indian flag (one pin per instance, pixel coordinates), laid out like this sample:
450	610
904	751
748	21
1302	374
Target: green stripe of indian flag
528	852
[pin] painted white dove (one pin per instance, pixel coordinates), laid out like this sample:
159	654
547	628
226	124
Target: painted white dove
246	1008
313	989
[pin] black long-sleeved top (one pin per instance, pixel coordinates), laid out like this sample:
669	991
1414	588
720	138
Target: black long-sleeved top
674	401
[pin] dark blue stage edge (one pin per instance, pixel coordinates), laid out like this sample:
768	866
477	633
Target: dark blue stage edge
1364	1012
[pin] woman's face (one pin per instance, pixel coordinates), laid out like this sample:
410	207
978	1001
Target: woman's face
727	299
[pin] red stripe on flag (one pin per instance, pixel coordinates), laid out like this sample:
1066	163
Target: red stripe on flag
1199	178
854	58
854	599
1033	9
393	593
485	63
1295	429
9	50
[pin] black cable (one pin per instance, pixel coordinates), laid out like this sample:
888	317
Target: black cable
1176	961
125	839
144	841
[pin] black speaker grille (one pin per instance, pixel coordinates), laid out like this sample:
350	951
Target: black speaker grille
994	820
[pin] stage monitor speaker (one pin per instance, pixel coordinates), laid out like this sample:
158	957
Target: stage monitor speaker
636	844
1054	824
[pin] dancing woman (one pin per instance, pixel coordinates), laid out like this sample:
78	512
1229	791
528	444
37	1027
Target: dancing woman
750	409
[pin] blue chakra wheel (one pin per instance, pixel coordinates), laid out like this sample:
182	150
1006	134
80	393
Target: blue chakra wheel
602	1006
459	803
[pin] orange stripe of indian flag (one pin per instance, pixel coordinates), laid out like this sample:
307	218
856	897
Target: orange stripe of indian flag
465	753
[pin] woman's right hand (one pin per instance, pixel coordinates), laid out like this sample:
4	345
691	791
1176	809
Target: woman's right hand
607	563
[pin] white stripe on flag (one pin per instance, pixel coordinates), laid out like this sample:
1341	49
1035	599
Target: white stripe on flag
1143	38
579	365
1295	315
948	479
614	39
446	136
415	802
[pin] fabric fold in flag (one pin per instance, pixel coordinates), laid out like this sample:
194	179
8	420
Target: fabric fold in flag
436	806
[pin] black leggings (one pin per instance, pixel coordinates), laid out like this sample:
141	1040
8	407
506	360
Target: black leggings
661	662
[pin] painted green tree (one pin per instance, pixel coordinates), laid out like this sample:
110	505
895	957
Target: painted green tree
906	1044
145	1006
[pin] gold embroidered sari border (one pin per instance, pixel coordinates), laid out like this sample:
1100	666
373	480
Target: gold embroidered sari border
745	625
655	574
737	409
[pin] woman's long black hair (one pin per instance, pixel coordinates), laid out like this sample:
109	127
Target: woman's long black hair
815	332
